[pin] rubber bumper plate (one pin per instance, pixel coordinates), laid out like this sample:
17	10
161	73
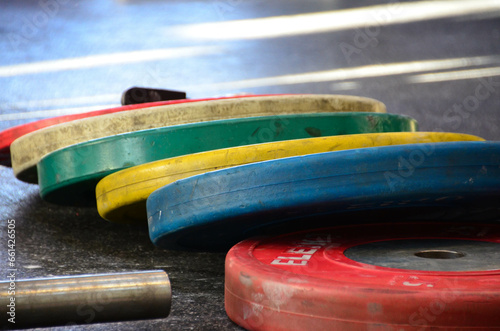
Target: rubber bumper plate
392	276
71	174
9	135
27	150
121	196
434	181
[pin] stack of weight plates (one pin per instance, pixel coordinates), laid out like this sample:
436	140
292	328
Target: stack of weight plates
68	159
393	238
360	231
340	216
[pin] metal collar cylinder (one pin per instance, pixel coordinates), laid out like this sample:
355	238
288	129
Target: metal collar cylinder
84	299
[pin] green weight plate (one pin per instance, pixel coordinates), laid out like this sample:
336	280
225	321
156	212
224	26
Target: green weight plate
69	175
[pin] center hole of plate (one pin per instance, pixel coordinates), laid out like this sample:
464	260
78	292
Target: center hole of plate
439	254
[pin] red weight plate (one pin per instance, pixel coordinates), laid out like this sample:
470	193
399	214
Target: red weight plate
9	135
412	276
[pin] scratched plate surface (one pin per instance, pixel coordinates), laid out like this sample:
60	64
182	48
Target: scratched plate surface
305	281
434	181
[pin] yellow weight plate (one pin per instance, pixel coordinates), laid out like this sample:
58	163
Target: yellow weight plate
121	196
27	150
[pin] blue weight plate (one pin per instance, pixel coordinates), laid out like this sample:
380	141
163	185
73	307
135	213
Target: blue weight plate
448	181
